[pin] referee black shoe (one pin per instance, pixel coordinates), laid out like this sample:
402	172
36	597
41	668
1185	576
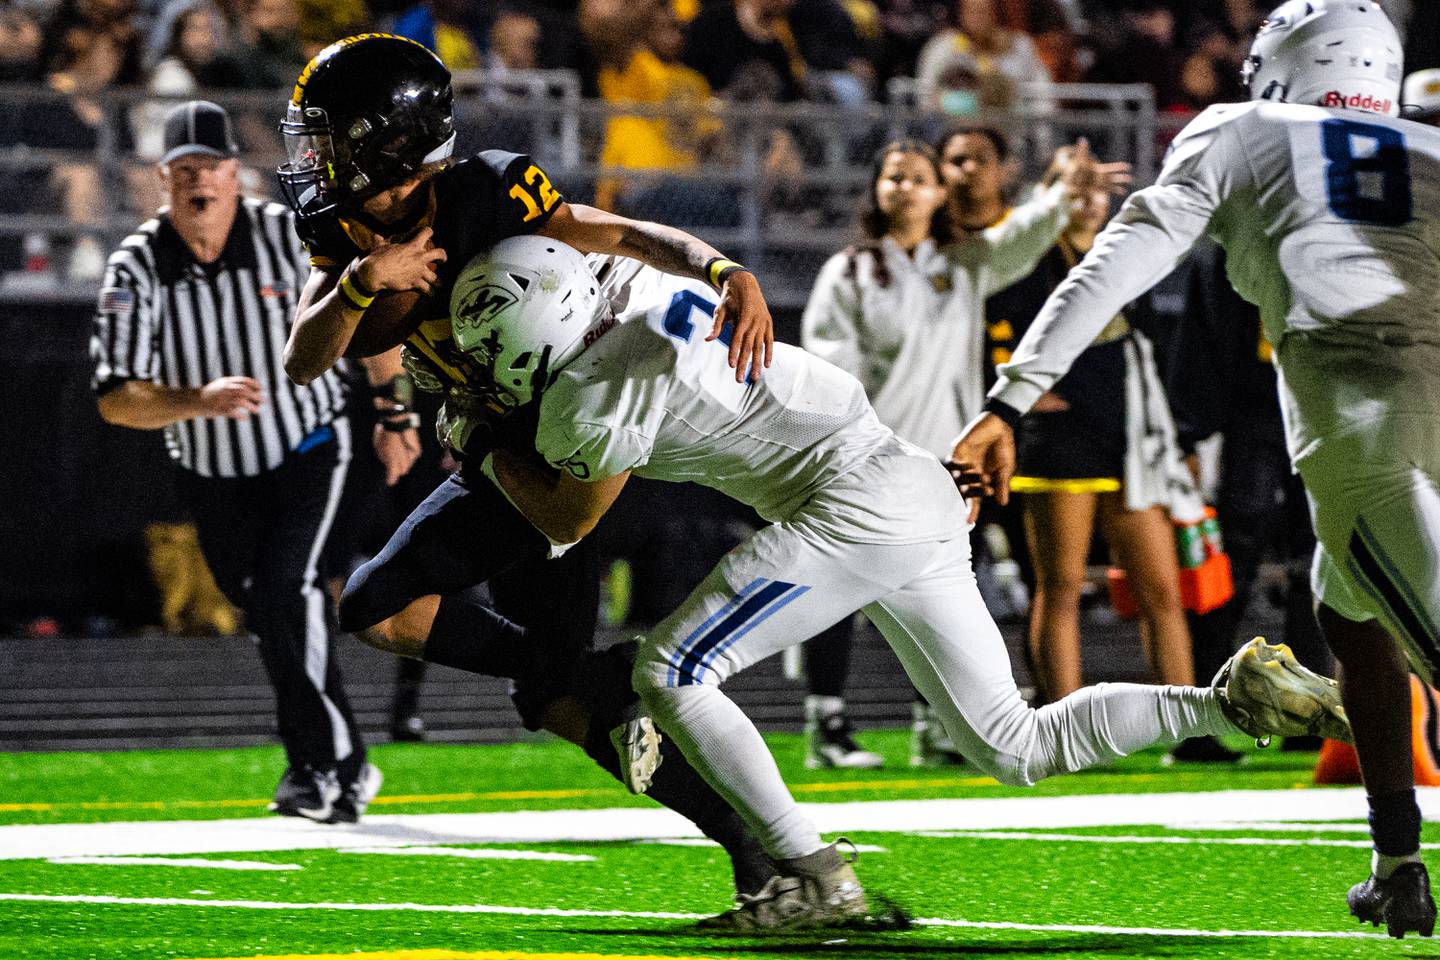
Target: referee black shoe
356	795
1402	901
307	791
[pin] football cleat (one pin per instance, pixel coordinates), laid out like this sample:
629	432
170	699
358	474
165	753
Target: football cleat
930	745
1265	692
638	744
306	791
1402	901
356	795
819	890
830	742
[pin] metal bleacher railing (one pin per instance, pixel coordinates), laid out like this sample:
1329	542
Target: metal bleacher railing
77	174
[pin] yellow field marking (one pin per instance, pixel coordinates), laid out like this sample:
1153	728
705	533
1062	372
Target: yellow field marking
463	955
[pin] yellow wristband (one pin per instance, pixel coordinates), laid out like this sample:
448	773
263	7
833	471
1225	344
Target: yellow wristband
351	294
720	268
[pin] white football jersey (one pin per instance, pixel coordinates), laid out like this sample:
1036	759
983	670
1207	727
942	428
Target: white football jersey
652	396
1331	224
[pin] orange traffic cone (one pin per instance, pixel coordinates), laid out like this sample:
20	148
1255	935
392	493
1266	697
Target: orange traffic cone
1338	763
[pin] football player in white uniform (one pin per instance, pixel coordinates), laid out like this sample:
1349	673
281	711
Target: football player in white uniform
1329	210
625	382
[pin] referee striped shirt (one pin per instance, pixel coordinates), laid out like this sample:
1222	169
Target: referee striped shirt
166	318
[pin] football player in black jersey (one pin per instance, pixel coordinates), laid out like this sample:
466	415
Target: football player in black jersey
382	208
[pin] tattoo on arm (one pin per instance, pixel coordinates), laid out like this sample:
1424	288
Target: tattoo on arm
665	248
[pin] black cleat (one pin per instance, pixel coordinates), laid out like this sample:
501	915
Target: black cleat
308	792
1402	902
356	795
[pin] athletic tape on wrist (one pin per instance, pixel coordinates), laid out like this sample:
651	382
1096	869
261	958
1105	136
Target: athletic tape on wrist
351	293
719	268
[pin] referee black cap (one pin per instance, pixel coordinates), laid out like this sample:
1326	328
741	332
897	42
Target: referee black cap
198	126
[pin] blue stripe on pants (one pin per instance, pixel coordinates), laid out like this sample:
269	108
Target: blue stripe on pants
720	648
692	657
724	611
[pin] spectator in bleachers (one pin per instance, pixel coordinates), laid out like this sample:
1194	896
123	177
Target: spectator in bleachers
21	41
322	22
791	41
1001	59
1053	29
746	39
94	44
442	25
637	44
1146	52
192	56
908	25
514	44
93	47
269	44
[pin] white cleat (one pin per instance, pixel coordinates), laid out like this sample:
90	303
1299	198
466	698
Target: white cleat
638	744
1265	692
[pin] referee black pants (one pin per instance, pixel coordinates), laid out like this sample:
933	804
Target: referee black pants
262	537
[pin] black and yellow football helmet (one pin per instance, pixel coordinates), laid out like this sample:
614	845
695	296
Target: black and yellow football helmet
368	113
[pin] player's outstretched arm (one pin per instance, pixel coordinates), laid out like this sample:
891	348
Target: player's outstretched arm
742	305
560	506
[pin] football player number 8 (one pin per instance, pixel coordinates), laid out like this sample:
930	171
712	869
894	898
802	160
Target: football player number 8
1367	178
536	178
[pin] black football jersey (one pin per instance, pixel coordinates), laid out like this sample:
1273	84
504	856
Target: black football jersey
471	206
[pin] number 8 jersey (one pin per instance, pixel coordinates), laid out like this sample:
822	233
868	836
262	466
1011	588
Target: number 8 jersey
651	395
1330	219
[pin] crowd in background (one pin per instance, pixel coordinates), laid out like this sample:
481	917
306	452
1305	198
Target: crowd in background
782	50
960	58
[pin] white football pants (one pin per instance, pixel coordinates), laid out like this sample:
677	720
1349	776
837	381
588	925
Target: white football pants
1375	500
793	579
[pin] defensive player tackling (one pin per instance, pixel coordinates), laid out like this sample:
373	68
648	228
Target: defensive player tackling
613	353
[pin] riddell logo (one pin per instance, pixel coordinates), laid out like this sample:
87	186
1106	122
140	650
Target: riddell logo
592	335
1356	102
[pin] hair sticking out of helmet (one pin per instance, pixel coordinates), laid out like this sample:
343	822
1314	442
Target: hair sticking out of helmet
1329	53
367	114
525	309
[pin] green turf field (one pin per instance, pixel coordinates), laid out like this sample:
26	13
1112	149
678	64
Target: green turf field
528	852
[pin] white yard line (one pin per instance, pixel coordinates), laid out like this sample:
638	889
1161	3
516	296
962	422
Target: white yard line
645	915
472	853
1200	841
251	835
177	862
1273	826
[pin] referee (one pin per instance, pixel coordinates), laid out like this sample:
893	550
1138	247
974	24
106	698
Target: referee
189	336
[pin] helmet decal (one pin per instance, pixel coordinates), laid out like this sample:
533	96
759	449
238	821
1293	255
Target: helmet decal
525	309
1334	53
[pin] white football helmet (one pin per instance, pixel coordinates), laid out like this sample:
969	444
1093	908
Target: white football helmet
523	310
1331	53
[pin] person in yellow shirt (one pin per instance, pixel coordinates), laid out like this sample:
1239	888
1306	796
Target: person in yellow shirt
639	46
